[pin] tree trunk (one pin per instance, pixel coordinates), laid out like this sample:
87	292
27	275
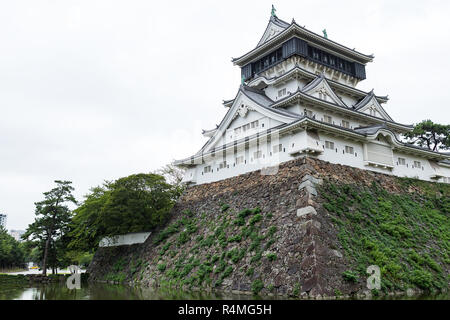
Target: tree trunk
44	264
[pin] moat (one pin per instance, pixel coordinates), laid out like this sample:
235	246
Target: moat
103	291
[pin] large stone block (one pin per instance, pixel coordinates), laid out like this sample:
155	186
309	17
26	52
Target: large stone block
311	190
306	210
305	184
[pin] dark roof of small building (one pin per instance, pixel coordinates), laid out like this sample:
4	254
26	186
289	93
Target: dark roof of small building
370	129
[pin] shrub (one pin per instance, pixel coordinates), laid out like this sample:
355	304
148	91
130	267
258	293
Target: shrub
250	272
236	238
161	267
188	213
272	231
256	218
183	238
227	272
208	242
422	279
271	256
350	276
257	286
256	257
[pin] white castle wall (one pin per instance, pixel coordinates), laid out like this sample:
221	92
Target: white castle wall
332	156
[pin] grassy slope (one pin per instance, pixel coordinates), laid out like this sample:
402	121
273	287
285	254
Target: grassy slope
180	263
407	234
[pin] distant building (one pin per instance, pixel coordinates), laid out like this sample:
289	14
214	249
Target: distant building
17	234
2	220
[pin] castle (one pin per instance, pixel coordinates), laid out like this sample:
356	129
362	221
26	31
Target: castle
298	97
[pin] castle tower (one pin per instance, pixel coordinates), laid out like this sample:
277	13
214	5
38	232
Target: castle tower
298	96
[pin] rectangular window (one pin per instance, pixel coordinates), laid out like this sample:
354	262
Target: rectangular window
246	127
255	124
239	160
277	148
332	60
345	124
257	154
349	149
329	145
401	161
281	92
327	119
207	169
222	165
417	164
237	130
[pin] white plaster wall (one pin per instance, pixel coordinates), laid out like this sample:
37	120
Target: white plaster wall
333	156
291	86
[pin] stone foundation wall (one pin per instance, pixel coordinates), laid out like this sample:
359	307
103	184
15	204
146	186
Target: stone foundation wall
309	258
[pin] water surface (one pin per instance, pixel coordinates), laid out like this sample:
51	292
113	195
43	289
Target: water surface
103	291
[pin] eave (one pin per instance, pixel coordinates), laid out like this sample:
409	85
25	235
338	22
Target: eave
298	96
311	76
295	30
309	123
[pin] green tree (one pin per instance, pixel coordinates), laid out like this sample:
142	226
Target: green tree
136	203
52	221
174	176
430	135
11	253
139	202
87	226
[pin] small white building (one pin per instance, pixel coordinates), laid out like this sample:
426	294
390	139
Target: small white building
298	97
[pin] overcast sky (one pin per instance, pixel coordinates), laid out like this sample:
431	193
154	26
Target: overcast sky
95	90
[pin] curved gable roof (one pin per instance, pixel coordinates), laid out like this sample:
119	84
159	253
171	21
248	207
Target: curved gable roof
367	101
321	80
262	104
274	27
296	30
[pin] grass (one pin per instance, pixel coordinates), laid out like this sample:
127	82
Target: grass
407	234
271	256
207	258
257	286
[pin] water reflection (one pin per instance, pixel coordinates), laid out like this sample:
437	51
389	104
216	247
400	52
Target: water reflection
100	291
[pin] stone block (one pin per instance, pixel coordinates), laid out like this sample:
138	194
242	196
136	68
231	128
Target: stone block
311	190
306	210
305	184
336	253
